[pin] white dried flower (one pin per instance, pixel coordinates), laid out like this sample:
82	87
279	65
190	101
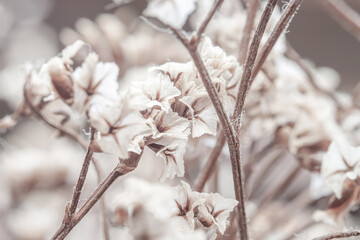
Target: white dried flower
95	83
171	12
118	126
341	162
155	92
206	210
169	137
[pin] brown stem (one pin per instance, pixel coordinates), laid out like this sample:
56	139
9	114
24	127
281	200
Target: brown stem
250	20
83	172
67	132
282	186
250	60
294	56
191	45
263	172
339	235
231	139
209	167
208	18
100	174
300	229
280	27
342	13
15	117
74	136
122	168
94	198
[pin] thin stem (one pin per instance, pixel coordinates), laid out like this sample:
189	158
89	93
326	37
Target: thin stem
339	235
280	27
263	172
250	20
209	167
82	176
342	13
250	60
14	118
282	186
93	199
67	132
100	174
300	229
294	56
231	139
122	168
208	18
74	136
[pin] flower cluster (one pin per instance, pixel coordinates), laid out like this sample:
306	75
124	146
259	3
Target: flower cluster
179	212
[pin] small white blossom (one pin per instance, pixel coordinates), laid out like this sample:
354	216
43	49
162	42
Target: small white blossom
157	91
118	127
171	12
341	162
168	124
95	82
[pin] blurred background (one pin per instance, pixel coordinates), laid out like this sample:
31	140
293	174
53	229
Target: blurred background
29	30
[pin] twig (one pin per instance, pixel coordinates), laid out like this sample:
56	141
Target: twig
285	183
100	174
294	56
121	169
84	170
67	132
263	172
250	20
208	18
231	139
191	45
71	207
250	60
209	167
300	229
339	235
10	121
280	27
342	13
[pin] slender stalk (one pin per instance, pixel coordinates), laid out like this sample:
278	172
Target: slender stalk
294	56
83	172
250	20
121	169
281	187
300	229
339	235
67	132
208	18
280	27
263	172
231	139
93	199
249	63
74	136
100	174
209	167
342	13
191	45
14	118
